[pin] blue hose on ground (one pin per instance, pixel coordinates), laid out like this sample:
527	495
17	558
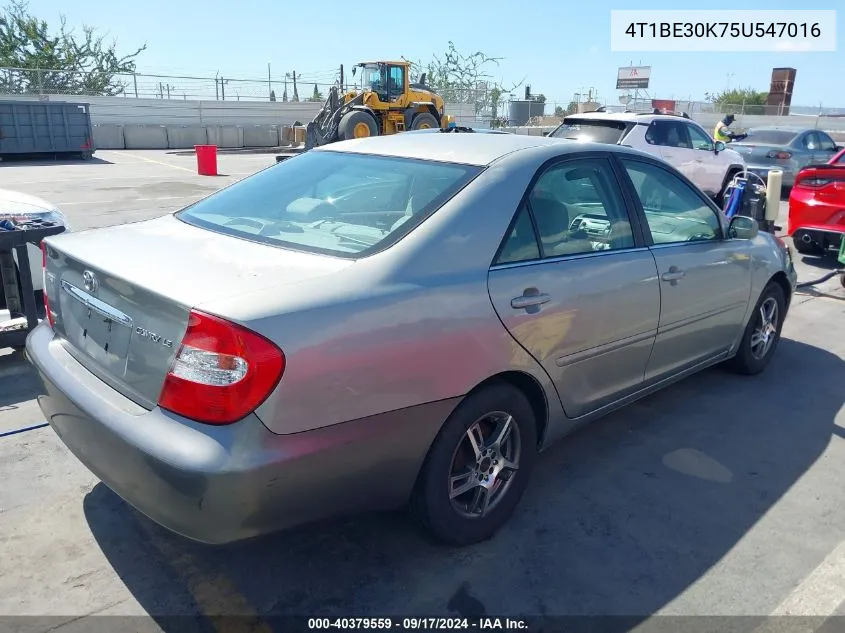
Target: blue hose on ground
23	430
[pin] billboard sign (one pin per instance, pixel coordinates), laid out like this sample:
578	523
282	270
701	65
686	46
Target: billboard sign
635	77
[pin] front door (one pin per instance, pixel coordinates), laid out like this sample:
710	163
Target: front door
705	280
574	288
709	167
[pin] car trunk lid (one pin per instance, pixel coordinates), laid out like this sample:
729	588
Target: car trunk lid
762	153
121	296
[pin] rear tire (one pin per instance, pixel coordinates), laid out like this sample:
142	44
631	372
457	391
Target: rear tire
466	456
357	124
424	121
762	334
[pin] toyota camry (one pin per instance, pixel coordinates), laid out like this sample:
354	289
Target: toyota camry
387	322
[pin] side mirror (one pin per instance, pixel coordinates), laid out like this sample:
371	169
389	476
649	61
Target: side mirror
742	227
719	146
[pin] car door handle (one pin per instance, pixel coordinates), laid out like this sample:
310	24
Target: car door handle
673	275
529	301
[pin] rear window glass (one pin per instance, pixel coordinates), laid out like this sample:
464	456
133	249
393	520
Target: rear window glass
337	203
594	131
771	137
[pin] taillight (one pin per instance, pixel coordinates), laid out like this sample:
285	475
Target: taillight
222	371
779	155
50	317
815	183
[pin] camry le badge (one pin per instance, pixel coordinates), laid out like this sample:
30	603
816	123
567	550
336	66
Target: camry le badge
153	337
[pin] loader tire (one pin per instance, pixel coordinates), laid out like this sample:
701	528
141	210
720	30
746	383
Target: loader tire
357	124
424	121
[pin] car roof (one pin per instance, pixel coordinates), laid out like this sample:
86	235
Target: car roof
465	148
642	117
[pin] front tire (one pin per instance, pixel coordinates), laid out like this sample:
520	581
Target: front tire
357	124
762	334
478	466
424	121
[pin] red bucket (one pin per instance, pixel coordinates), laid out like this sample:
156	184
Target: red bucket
206	159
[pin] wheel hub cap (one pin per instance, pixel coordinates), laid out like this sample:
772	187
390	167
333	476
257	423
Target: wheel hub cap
484	463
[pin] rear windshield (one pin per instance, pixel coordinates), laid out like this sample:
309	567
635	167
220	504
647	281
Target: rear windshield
336	203
594	131
771	137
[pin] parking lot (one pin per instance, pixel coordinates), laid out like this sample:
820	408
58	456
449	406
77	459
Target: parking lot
719	496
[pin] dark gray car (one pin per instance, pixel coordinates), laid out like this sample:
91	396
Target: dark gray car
786	148
408	318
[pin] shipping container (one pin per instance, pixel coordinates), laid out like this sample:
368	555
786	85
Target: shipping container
45	127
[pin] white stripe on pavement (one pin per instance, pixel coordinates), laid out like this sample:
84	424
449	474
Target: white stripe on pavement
820	593
68	204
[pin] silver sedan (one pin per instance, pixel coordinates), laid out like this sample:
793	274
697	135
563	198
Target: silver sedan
389	321
788	149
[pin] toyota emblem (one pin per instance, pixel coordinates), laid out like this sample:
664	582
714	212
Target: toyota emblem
90	281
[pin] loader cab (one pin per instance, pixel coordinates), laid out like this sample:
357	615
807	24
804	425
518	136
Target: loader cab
388	80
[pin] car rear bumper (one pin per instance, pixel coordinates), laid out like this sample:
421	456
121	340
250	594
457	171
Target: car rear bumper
763	172
217	484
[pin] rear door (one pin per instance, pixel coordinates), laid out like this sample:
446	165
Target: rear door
705	280
675	147
575	286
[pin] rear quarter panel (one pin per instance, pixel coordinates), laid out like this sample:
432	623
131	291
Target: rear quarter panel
767	261
411	325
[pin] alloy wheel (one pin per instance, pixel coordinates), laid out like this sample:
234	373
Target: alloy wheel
483	464
765	332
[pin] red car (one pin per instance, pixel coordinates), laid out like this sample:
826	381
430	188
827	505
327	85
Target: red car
817	207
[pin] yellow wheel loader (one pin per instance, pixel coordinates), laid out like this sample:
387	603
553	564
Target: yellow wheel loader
383	102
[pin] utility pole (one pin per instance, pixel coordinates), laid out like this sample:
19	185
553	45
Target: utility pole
217	86
269	83
341	78
223	88
295	92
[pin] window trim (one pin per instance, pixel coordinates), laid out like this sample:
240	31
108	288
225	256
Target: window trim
643	220
640	242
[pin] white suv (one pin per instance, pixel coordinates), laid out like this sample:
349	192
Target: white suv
678	140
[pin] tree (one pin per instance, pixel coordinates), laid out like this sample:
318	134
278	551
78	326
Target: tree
58	62
317	96
740	100
460	78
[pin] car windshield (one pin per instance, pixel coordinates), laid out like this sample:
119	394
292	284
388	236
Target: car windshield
771	137
336	203
595	131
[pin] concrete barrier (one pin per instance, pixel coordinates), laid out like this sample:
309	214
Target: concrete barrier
145	136
225	135
261	136
299	134
186	136
286	135
108	136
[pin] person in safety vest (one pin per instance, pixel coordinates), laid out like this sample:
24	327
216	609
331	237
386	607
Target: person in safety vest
723	132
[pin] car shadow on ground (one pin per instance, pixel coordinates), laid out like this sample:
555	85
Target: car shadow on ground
18	382
620	518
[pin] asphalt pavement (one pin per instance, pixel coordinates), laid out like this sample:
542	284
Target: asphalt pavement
721	495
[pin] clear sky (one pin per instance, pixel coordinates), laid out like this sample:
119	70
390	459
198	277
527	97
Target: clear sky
561	47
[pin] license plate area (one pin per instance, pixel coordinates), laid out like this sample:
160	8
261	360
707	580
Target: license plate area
95	328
